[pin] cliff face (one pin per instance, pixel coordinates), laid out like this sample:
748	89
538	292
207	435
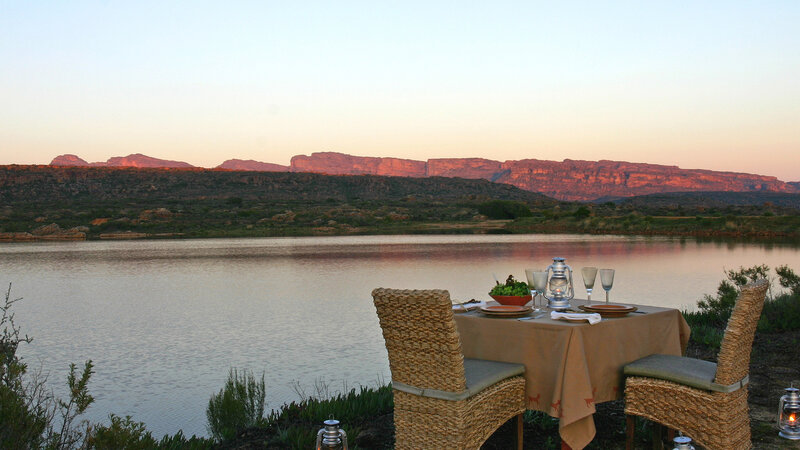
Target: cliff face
564	180
332	163
464	168
588	180
249	164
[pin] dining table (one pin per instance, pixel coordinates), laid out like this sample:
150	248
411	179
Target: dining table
572	366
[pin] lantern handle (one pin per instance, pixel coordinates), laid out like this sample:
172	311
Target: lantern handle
318	445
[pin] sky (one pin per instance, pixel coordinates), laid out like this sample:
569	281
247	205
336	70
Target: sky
711	84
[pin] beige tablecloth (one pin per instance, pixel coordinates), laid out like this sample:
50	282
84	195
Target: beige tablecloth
571	366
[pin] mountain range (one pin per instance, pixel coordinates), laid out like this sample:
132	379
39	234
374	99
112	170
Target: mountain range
565	180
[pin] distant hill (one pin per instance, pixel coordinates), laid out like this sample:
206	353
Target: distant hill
69	160
695	200
53	184
73	203
249	164
134	160
565	180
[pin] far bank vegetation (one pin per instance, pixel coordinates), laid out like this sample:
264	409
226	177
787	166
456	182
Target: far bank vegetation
44	203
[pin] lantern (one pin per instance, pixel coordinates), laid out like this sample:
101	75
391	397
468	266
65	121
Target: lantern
331	437
559	285
683	443
789	414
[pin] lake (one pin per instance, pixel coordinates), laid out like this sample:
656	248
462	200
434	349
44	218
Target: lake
165	320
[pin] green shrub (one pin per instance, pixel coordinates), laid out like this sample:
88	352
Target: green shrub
297	423
121	433
746	275
707	335
125	433
582	212
780	313
351	407
239	405
30	415
21	424
179	442
504	209
719	307
788	279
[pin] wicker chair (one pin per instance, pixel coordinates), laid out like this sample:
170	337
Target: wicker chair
441	399
706	401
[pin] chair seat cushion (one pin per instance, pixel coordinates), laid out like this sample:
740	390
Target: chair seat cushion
690	372
480	374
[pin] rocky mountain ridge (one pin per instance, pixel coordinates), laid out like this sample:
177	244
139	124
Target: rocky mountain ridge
564	180
133	160
251	165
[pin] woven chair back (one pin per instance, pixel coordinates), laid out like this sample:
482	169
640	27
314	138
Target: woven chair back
733	361
421	338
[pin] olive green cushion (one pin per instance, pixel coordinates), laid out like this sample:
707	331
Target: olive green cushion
480	374
690	372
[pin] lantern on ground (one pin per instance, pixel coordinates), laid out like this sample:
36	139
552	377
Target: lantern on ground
331	437
559	285
789	414
683	443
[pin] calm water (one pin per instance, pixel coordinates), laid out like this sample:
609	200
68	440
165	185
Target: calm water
164	321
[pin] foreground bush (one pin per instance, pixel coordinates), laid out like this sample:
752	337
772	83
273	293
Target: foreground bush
239	405
30	415
781	312
295	425
125	433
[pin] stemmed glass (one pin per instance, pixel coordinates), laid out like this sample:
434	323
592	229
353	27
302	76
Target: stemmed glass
540	284
529	276
589	275
537	281
607	279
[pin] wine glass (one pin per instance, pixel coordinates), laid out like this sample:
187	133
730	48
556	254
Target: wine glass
540	283
607	279
589	275
529	276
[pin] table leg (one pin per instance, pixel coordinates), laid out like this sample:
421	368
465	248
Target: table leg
519	431
629	430
658	436
670	435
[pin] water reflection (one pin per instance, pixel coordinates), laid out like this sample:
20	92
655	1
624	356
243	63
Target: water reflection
164	320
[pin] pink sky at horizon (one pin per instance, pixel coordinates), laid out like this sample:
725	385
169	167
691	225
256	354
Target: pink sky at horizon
699	86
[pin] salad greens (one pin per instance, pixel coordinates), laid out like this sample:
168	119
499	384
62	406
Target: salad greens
512	287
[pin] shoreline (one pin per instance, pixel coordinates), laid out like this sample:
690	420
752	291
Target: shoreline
488	227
